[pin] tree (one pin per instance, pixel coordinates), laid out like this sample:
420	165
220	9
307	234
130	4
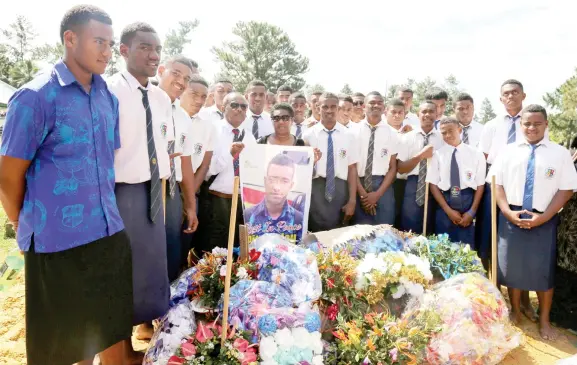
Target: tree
5	64
22	72
563	118
178	38
50	53
20	35
487	113
265	52
451	86
347	90
116	61
310	89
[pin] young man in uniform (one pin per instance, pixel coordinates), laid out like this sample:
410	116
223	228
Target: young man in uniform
257	120
358	107
457	177
58	193
215	113
174	76
314	107
334	185
377	166
405	94
298	101
439	97
283	94
535	178
418	147
464	112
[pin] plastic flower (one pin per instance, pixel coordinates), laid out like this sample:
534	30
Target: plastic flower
223	270
240	344
332	312
175	360
188	350
242	273
313	322
267	348
267	324
220	252
284	337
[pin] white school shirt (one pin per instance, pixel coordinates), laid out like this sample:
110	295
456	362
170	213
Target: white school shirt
495	135
401	145
474	132
131	163
222	160
414	143
202	138
471	162
265	124
386	144
554	171
411	119
182	134
211	114
353	127
303	128
345	148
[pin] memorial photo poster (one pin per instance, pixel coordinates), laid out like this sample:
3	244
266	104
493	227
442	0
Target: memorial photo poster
275	186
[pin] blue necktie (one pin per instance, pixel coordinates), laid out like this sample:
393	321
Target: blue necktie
511	137
437	123
299	131
238	137
455	191
155	186
529	183
255	126
330	179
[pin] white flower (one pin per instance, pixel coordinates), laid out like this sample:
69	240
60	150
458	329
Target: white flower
317	343
302	338
268	362
219	252
284	338
467	248
267	348
400	292
317	360
223	270
242	273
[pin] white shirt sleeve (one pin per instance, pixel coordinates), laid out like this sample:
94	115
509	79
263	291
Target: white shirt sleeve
221	157
487	136
212	135
481	168
433	173
354	150
568	178
497	170
187	148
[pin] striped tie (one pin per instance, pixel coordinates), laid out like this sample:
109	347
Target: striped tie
529	183
155	186
368	180
466	134
220	114
171	144
299	131
330	179
420	197
511	137
255	126
238	137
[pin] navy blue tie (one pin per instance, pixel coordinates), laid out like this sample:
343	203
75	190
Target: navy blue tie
299	131
155	186
437	124
455	191
529	183
512	136
330	183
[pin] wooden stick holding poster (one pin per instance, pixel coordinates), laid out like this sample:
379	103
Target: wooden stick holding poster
231	233
493	232
243	239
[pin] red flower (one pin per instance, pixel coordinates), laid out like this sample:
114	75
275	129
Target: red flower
249	356
188	349
332	312
337	268
175	360
254	255
331	283
349	280
240	344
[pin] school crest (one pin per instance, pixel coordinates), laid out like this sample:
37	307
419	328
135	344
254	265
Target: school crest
197	148
182	139
163	129
550	173
384	152
342	153
468	175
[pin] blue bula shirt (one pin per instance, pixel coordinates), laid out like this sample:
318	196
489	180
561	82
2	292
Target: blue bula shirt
69	136
288	224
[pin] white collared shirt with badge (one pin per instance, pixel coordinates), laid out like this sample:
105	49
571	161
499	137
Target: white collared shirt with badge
386	144
345	148
495	135
202	138
474	132
303	128
401	147
554	171
131	163
182	134
414	143
471	162
265	124
412	120
353	127
222	161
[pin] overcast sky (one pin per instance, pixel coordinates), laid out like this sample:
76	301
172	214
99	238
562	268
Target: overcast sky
370	44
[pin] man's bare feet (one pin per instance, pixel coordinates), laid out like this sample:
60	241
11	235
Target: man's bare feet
144	332
530	313
516	317
548	332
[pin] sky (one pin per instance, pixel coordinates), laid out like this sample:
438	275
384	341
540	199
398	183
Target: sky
371	44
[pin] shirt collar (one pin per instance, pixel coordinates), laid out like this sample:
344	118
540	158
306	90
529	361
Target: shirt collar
379	124
544	142
133	82
433	131
65	77
338	127
261	209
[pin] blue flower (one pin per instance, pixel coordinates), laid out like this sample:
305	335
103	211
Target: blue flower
313	322
267	324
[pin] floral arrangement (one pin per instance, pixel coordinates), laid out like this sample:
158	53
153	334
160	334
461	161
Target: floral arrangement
210	273
289	266
290	336
248	298
177	323
474	328
183	287
447	259
392	273
204	348
379	338
383	238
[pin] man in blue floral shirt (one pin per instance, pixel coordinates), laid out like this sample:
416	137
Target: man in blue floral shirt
274	214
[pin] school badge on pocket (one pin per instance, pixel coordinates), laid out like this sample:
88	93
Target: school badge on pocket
455	191
182	139
469	175
384	152
342	153
163	129
550	173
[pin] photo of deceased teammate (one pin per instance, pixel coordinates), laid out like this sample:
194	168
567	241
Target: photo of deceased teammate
276	184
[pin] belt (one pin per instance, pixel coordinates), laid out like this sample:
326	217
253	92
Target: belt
220	195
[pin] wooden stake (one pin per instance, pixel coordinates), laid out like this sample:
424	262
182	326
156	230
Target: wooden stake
231	232
493	232
243	242
163	187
